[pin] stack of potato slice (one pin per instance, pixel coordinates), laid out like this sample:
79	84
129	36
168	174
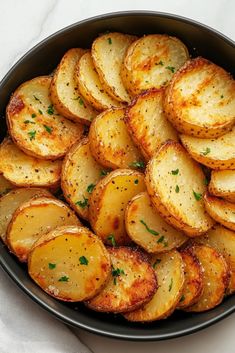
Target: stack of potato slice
138	140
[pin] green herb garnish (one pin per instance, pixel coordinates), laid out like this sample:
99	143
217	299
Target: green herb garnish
162	240
32	135
109	40
90	188
36	99
160	63
137	164
156	263
40	112
175	172
136	181
207	150
197	195
182	298
149	229
48	129
177	189
116	272
33	115
112	240
63	279
105	172
171	68
50	109
51	266
29	122
83	260
83	203
80	101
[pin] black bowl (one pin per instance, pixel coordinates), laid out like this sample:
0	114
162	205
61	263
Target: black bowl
41	60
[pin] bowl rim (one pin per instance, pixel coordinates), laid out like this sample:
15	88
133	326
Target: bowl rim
5	266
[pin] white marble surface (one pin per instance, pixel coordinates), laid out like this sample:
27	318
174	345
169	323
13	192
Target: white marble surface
23	23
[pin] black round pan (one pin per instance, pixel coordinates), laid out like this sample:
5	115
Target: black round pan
41	60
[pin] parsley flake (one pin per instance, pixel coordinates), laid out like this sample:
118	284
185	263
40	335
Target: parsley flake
171	68
149	229
40	112
83	260
48	129
105	172
177	189
197	195
32	135
182	298
175	172
116	272
29	122
90	188
162	240
109	40
136	181
206	181
156	263
112	240
33	115
50	109
51	266
137	164
206	151
83	203
160	63
63	279
36	99
170	285
80	101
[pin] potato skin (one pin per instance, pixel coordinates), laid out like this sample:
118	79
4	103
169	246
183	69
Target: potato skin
185	110
178	209
222	184
129	290
70	263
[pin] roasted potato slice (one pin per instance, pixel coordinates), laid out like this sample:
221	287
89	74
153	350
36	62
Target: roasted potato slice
34	218
5	185
169	269
193	284
214	153
222	184
34	124
90	85
215	277
12	200
220	210
108	202
132	284
151	61
64	91
24	170
148	229
223	240
80	174
69	263
110	142
200	99
108	52
176	185
147	123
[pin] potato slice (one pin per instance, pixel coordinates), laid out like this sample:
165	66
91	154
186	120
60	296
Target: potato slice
147	123
69	263
34	124
215	277
24	170
90	85
64	91
200	100
214	153
222	184
34	218
12	200
169	269
220	210
108	202
80	174
176	185
223	240
148	229
151	61
5	185
193	284
110	142
132	284
108	52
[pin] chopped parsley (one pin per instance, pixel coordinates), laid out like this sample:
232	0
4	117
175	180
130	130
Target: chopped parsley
36	99
149	229
116	272
40	112
33	115
162	240
109	40
112	240
137	164
50	109
48	129
170	285
136	181
63	279
32	135
156	263
182	298
83	203
197	195
175	172
206	181
80	101
83	260
160	63
105	172
171	68
51	266
221	96
90	188
177	189
29	122
206	151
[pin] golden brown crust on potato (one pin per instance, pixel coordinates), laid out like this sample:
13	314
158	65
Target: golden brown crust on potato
24	170
169	269
80	173
222	184
110	142
108	202
69	263
151	61
193	284
35	126
176	185
148	229
147	123
216	153
64	91
34	218
215	277
200	99
108	52
132	284
220	210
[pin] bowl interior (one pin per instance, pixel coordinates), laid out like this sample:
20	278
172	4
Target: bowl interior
42	60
